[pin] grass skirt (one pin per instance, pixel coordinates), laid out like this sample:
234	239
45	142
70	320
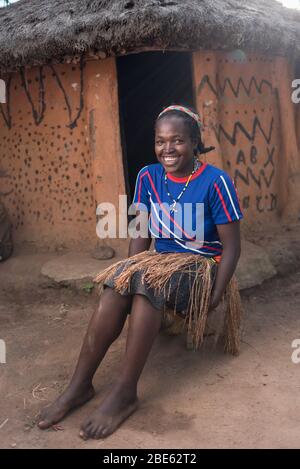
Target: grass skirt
178	283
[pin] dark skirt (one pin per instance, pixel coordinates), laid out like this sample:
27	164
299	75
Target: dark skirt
180	284
175	296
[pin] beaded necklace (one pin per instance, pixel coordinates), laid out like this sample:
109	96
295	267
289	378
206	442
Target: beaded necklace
172	208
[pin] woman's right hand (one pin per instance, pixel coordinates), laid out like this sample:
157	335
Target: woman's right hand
214	301
138	245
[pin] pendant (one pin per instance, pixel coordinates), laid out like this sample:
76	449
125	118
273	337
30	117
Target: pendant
173	208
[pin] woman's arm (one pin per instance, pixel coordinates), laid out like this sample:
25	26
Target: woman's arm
138	245
230	238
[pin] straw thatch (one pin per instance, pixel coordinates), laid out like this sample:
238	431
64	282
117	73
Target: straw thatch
38	31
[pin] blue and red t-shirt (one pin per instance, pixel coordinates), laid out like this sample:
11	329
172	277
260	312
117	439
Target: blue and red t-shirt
210	199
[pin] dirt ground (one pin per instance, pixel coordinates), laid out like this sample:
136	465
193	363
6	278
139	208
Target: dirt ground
188	399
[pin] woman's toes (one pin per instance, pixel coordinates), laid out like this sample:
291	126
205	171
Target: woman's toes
104	431
83	435
85	424
98	434
92	431
88	429
107	429
43	424
83	432
43	420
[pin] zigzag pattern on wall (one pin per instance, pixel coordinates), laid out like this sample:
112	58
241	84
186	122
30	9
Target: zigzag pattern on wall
251	176
256	178
72	122
220	88
38	109
249	135
37	115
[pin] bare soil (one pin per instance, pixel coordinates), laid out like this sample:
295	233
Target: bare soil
189	399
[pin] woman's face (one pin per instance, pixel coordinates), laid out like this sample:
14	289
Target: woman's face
174	147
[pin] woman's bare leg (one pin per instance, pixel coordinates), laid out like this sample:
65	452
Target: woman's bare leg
144	325
104	328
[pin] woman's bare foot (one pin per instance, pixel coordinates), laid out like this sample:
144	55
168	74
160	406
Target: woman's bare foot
116	408
72	397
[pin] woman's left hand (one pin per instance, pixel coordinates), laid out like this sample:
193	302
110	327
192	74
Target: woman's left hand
214	301
230	238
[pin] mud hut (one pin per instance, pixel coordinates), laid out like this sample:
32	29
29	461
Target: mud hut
85	80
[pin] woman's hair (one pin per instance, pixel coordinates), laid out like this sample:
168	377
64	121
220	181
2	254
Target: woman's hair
192	126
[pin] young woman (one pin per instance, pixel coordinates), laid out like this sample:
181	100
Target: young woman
185	274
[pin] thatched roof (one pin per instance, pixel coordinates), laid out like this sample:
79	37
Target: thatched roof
33	31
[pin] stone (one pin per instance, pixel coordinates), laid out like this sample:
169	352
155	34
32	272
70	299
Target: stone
103	253
73	267
254	266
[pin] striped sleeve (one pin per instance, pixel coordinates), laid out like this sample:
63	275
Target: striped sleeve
141	197
224	203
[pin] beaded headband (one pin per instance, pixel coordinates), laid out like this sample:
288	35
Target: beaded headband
182	109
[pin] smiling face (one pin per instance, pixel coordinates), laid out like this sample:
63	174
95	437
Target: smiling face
174	147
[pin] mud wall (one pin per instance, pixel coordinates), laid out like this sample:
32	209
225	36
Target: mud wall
53	168
60	152
245	103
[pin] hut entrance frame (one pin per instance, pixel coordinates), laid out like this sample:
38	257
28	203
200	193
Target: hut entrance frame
147	82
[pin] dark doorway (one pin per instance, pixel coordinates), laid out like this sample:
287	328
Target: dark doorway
148	82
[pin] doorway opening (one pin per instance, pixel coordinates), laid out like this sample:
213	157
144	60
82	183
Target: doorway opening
148	82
